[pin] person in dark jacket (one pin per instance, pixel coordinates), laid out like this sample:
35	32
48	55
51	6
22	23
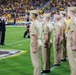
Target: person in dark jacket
3	32
0	30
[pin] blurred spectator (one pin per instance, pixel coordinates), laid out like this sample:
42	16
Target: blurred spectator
20	6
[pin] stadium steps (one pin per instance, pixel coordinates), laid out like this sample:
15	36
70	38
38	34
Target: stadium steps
45	5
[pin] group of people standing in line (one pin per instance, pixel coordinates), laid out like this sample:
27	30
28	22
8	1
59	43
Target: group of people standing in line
2	30
64	42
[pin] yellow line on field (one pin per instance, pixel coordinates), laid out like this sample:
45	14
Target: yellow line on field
23	52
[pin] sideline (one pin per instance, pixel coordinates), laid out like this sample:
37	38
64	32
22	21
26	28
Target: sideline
15	26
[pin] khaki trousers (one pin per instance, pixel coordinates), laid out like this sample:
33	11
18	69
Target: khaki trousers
46	57
35	57
63	50
0	36
71	57
57	54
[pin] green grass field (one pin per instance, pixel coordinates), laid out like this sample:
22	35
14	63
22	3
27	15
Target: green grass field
21	65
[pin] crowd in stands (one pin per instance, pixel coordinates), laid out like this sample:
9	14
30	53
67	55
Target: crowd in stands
19	8
59	5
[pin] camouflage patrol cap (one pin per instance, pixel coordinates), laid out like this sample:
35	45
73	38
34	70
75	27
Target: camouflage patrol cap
34	12
47	15
63	12
57	16
71	9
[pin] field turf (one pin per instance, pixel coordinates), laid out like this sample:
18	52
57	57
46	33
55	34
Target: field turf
21	65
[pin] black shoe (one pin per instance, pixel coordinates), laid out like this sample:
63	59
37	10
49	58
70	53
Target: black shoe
45	71
2	44
56	65
63	60
28	37
24	37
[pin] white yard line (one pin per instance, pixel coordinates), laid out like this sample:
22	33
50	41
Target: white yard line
57	66
53	68
16	42
44	74
20	45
